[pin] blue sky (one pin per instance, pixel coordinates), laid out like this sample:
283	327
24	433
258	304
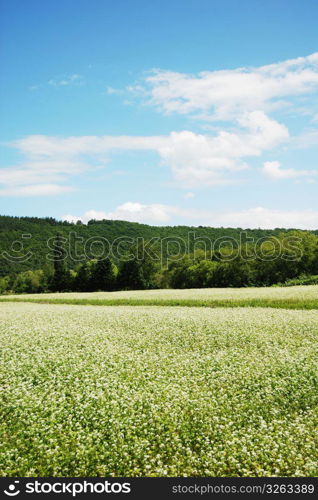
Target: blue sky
166	112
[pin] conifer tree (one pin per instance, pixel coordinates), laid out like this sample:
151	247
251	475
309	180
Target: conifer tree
103	275
61	277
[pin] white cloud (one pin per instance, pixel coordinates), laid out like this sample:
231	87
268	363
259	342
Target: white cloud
142	213
258	217
245	96
197	159
36	190
189	195
112	91
268	218
68	147
194	159
273	170
66	81
39	177
130	211
39	171
225	94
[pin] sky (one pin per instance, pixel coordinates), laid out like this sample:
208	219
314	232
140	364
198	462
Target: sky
194	112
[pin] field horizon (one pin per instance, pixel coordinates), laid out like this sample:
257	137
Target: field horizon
295	297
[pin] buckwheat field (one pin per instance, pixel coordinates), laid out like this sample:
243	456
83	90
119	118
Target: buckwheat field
152	391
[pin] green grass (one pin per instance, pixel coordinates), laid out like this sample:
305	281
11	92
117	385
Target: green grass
152	391
280	304
303	280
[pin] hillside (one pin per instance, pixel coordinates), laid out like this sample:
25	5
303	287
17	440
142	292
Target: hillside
13	231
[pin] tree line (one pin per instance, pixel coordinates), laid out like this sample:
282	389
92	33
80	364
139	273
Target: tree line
42	231
271	261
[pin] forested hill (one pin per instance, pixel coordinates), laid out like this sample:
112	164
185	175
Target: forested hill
14	231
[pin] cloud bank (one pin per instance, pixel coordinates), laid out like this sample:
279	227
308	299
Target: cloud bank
239	102
226	94
194	159
257	217
273	170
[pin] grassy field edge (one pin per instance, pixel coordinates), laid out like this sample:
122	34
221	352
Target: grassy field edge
263	302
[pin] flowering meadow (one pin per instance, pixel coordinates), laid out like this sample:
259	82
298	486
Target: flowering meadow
200	295
296	297
153	391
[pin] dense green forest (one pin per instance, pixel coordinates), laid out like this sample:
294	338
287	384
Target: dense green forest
15	231
40	255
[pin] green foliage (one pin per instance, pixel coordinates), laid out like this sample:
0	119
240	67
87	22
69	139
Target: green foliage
61	279
83	277
134	275
30	282
103	276
44	230
274	258
301	281
4	284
